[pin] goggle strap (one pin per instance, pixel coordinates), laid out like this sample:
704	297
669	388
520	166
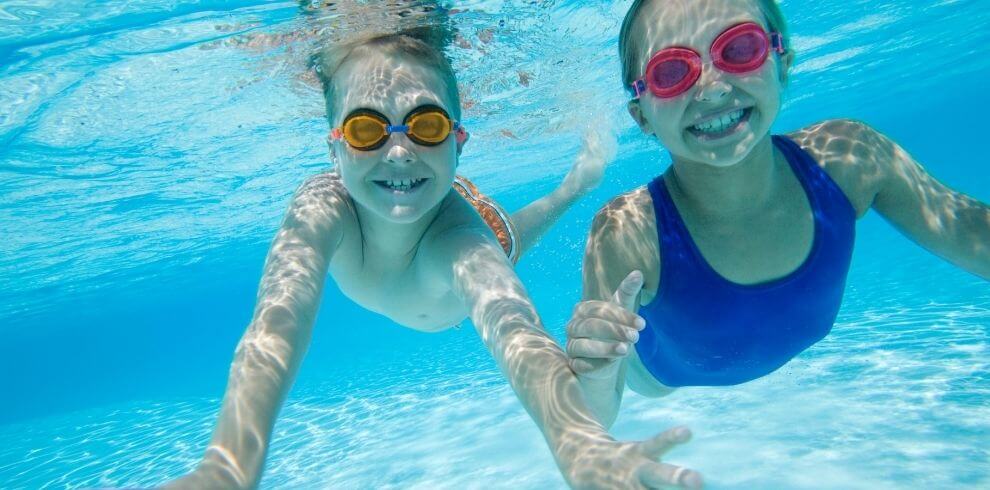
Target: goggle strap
637	88
777	43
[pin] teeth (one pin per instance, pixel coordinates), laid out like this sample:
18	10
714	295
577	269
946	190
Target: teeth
719	124
402	184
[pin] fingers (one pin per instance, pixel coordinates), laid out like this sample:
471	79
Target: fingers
660	475
628	292
600	142
594	328
596	349
603	310
660	444
592	146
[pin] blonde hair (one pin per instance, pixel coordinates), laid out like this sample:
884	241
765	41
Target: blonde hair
426	44
629	49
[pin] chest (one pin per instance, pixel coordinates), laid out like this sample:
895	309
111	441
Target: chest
757	248
396	287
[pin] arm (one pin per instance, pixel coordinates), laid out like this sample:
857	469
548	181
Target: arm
532	221
537	370
268	355
604	326
950	224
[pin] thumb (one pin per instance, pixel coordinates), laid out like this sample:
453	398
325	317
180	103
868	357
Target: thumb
628	291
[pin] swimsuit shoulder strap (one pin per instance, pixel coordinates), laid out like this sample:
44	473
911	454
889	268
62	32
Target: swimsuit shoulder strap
827	199
676	244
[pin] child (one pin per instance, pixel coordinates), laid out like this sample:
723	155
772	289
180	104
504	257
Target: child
404	237
744	242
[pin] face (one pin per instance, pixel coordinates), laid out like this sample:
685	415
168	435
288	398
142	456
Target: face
720	119
401	181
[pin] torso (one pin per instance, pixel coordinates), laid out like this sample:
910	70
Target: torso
767	246
762	246
402	287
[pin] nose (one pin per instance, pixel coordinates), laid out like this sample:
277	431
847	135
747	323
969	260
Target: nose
398	152
711	86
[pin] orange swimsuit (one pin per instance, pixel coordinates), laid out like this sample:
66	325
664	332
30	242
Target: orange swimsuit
493	214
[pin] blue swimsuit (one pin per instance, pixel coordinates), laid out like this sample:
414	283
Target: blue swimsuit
704	330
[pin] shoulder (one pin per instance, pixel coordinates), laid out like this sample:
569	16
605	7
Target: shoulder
849	140
456	217
623	216
623	238
457	229
852	153
324	188
459	250
320	209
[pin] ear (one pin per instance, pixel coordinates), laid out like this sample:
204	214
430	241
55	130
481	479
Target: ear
637	114
462	137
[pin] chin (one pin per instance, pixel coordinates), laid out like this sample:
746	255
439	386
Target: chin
398	208
732	156
403	214
728	154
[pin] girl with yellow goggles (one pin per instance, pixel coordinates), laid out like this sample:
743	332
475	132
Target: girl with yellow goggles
367	129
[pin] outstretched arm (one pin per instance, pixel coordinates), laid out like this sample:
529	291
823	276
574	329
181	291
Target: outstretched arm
537	370
532	221
268	355
948	223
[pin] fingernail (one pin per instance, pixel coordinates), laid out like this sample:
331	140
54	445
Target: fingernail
621	349
632	335
640	323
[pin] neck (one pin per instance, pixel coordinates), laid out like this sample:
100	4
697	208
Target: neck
384	237
739	189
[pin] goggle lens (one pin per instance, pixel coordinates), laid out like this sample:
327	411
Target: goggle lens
365	131
741	49
673	71
430	128
669	73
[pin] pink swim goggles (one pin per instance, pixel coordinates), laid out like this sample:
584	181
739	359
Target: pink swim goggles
739	49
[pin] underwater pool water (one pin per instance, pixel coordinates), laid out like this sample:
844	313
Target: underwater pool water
149	147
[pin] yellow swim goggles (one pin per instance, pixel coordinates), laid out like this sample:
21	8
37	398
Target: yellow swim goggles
367	129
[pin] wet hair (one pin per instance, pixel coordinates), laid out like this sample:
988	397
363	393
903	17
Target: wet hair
629	48
426	44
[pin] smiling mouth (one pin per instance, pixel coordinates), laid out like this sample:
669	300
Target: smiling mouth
400	185
721	125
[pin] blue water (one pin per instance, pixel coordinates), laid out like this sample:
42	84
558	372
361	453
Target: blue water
149	147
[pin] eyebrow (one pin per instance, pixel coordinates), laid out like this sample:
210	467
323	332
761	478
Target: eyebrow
403	115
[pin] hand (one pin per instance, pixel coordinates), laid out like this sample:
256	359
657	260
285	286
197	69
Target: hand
601	333
605	463
598	149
